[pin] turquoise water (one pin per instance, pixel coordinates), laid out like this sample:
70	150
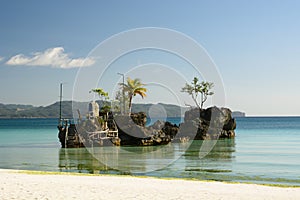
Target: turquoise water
265	150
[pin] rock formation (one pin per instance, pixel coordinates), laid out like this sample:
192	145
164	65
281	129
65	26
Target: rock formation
133	131
199	124
210	123
205	124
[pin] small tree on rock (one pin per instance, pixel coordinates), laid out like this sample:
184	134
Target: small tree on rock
104	98
196	88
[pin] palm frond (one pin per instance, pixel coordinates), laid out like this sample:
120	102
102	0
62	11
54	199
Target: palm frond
142	94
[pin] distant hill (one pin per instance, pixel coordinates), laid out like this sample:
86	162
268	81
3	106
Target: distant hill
52	111
29	111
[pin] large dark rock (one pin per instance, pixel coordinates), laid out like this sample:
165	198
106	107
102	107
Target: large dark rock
206	124
132	131
139	118
158	125
191	114
170	129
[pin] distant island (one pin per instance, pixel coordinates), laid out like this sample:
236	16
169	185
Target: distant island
238	114
52	111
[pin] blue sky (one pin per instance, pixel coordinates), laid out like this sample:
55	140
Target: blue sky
255	44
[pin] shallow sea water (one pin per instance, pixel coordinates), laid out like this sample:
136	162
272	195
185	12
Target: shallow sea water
265	150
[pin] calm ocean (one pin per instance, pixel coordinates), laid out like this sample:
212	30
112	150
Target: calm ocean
265	150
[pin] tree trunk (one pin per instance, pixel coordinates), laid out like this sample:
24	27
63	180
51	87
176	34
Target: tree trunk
195	100
130	104
202	101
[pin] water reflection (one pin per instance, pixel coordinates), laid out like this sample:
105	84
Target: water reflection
176	160
80	160
218	160
126	160
222	150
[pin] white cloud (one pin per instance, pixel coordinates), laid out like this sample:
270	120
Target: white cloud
1	58
53	57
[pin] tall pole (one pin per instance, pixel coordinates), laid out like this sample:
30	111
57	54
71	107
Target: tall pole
123	92
60	100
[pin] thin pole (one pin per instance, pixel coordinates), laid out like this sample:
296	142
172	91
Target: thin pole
123	92
60	100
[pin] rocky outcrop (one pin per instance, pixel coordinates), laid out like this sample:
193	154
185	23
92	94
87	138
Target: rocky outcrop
139	118
132	131
68	136
199	124
206	124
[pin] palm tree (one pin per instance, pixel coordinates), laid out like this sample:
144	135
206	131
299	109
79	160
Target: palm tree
132	88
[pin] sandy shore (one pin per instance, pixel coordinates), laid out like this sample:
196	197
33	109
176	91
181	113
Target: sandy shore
16	185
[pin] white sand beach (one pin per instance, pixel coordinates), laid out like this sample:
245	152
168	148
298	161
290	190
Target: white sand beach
21	185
